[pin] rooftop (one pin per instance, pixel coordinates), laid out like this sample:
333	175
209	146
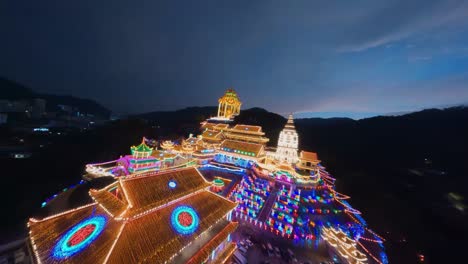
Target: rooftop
240	147
139	226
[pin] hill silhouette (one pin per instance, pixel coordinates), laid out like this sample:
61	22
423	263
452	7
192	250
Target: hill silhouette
15	91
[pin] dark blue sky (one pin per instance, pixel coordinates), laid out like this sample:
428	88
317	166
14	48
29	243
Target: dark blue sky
334	58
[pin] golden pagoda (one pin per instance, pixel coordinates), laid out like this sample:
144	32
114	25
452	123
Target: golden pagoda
229	105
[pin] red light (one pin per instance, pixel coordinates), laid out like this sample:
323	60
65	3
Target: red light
81	235
185	219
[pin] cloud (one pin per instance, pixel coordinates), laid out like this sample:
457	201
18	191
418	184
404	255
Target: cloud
419	58
399	20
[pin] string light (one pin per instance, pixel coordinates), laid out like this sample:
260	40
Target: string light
184	220
79	237
308	207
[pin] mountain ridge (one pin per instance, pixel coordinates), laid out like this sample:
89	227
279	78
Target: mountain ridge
16	91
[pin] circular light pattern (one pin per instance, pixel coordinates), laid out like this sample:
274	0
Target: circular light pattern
184	220
79	237
172	184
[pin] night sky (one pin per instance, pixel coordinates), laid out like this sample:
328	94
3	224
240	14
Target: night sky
347	58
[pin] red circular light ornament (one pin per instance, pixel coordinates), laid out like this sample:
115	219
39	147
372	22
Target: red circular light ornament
81	235
185	219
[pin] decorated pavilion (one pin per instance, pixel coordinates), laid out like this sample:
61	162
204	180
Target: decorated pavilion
167	217
141	159
229	105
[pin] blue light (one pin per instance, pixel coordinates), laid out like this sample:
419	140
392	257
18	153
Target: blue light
63	250
172	184
182	228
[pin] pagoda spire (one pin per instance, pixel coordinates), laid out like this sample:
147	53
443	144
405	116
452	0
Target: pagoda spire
290	123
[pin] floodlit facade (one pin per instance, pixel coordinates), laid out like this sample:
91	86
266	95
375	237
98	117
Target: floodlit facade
288	143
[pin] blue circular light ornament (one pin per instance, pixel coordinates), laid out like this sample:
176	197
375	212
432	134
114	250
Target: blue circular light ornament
172	184
79	237
185	220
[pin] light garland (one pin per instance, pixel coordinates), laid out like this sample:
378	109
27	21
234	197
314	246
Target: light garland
79	237
184	220
345	246
292	214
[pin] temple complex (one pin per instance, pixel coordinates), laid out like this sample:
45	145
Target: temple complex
168	217
182	195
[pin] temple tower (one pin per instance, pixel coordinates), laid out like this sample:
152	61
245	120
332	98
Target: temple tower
229	105
288	143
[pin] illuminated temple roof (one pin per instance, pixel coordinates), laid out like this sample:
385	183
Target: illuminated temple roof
212	135
230	97
213	126
248	129
242	147
308	156
138	227
141	148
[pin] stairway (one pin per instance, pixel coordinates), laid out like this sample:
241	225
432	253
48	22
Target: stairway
265	212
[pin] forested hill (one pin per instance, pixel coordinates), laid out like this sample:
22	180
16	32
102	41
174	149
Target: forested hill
15	91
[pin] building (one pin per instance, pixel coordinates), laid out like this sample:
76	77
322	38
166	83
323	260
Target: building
239	153
308	161
288	143
246	133
168	217
229	104
141	159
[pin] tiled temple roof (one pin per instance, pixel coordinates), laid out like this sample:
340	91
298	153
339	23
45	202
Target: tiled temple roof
205	252
256	149
212	135
146	192
46	233
145	235
151	239
110	202
309	156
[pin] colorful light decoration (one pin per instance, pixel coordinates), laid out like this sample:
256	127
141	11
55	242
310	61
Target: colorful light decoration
79	237
184	220
172	184
62	191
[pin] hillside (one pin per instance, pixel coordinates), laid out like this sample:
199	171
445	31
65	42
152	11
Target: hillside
15	91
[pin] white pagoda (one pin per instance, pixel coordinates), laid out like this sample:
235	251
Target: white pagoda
288	143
